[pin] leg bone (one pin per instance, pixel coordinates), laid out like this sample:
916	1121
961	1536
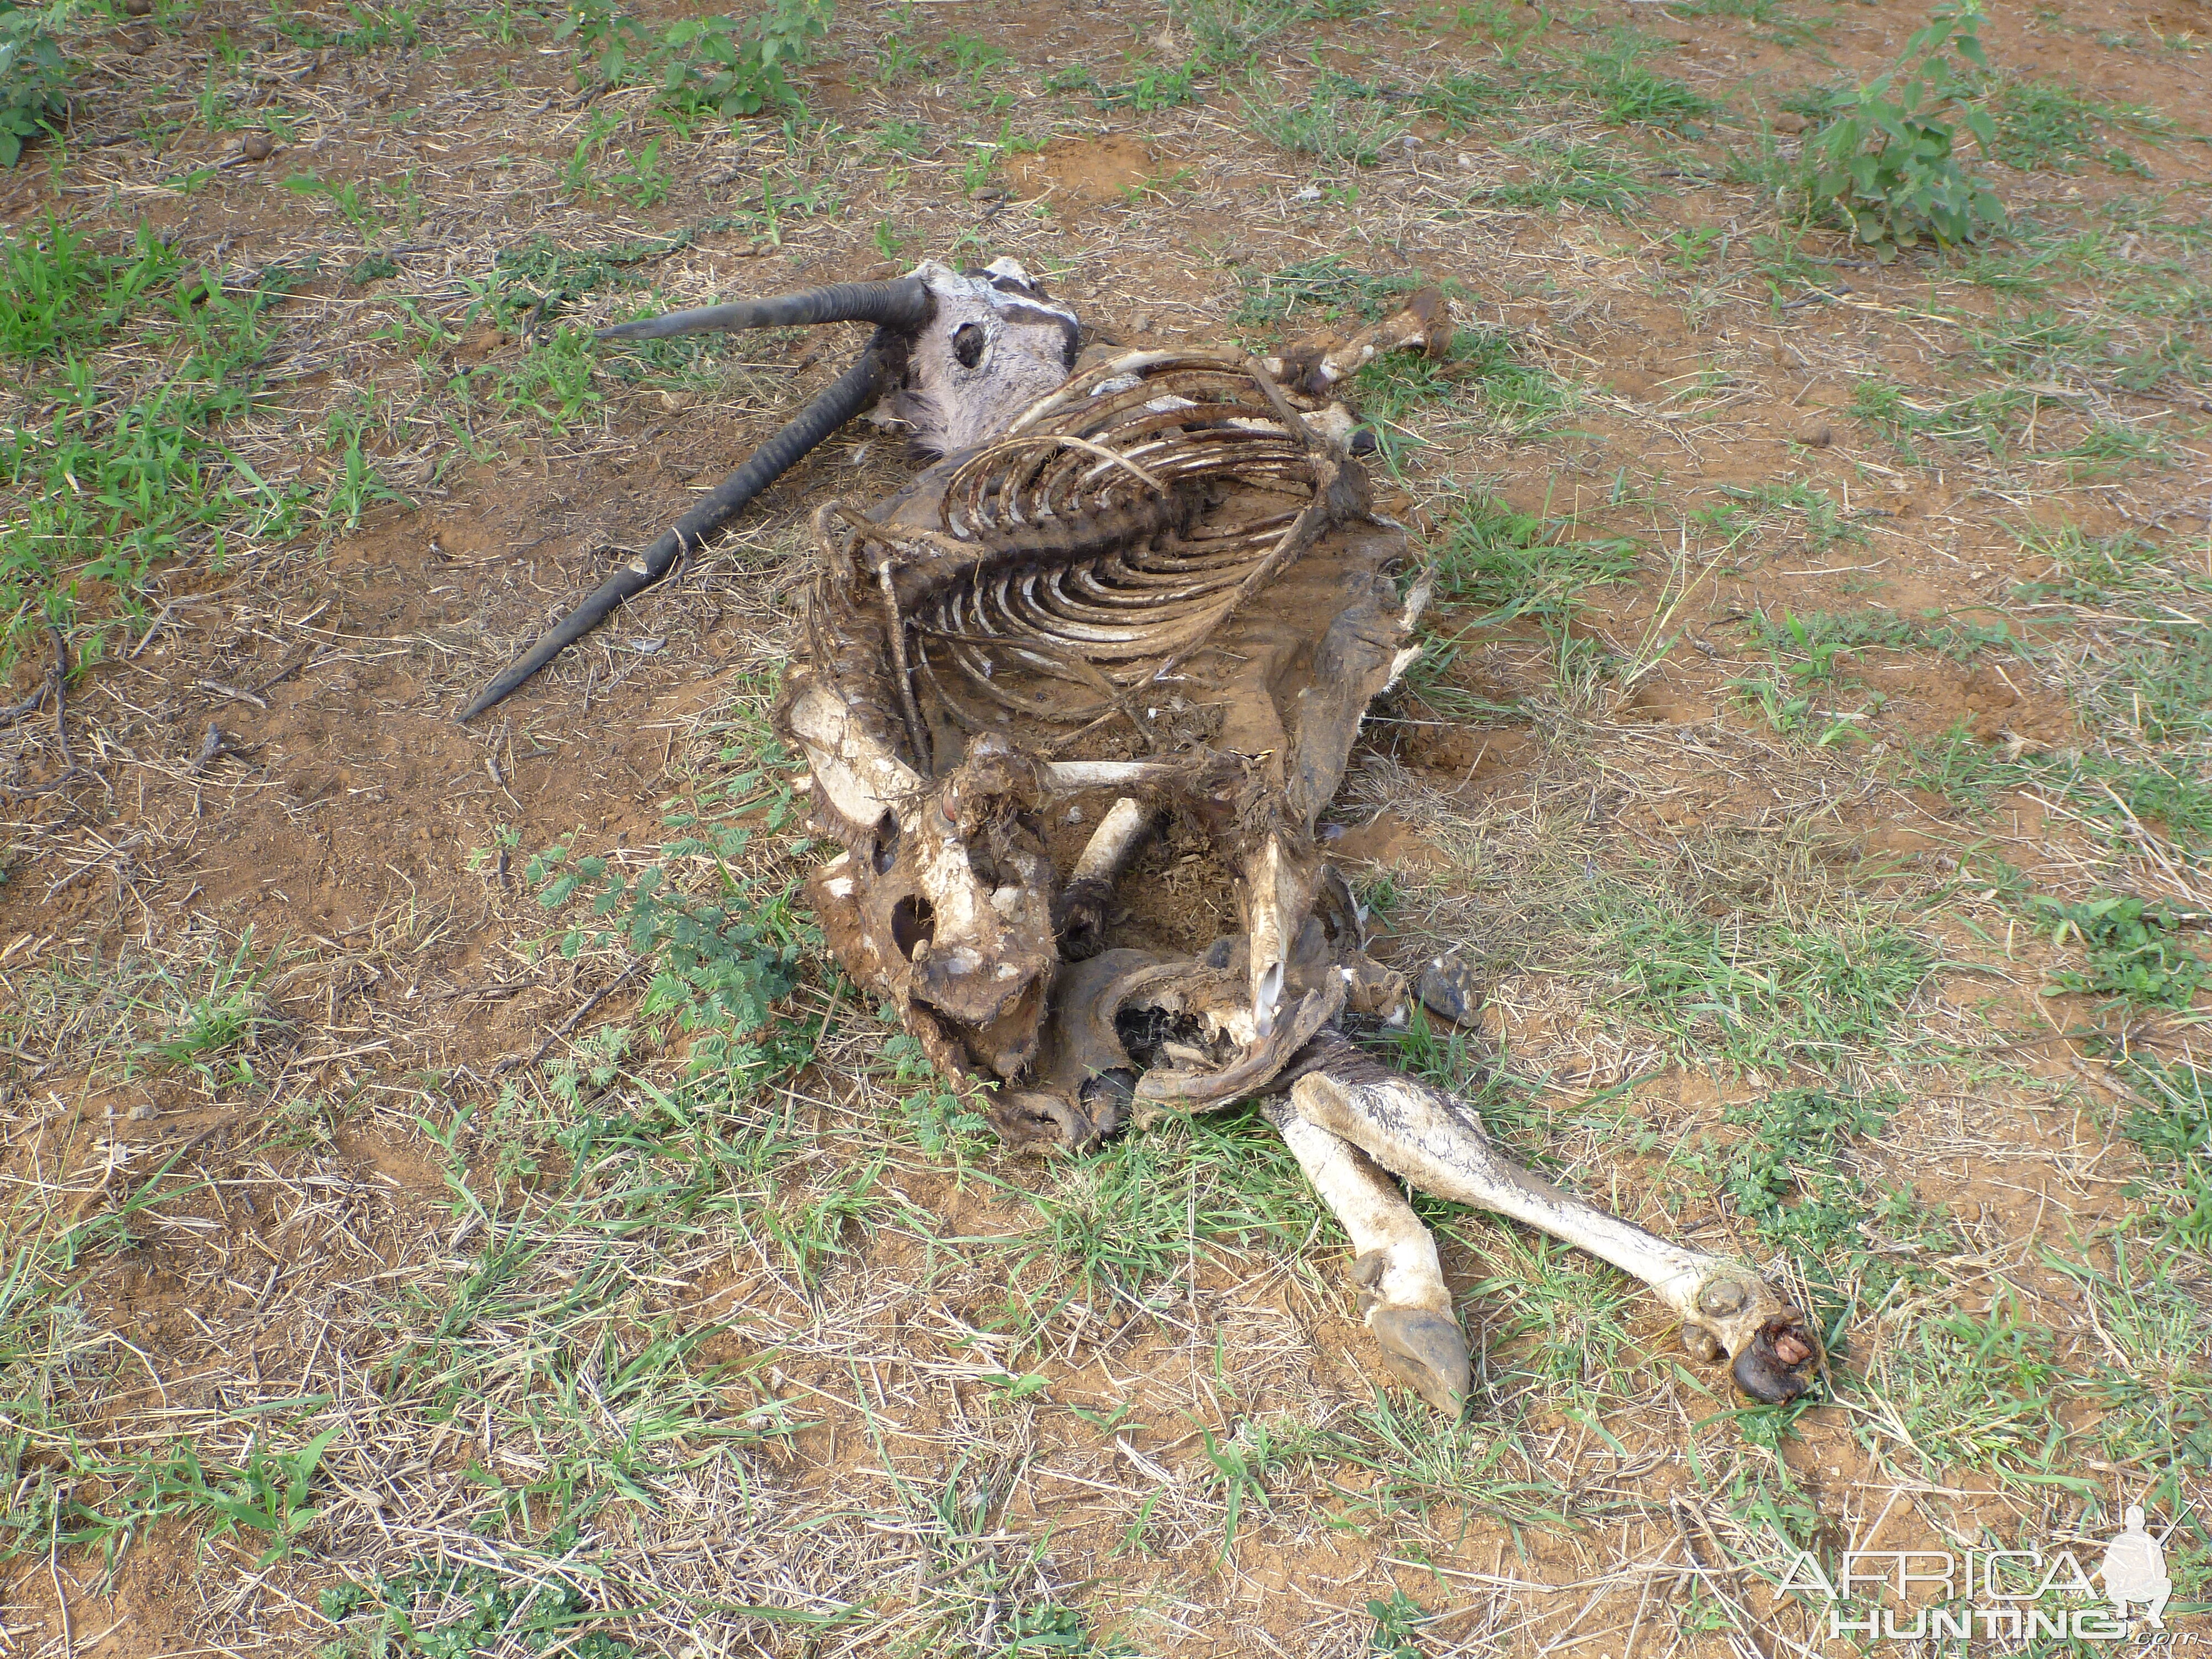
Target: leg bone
1114	846
1438	1144
1402	1285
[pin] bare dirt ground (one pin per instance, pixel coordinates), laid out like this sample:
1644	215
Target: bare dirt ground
415	1242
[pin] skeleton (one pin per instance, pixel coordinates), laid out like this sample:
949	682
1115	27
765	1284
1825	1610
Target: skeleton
1142	590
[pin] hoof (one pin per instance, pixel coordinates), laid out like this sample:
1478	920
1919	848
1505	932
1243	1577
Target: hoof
1426	1352
1771	1368
1448	989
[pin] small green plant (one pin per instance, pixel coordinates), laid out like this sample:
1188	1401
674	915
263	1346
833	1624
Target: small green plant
34	80
642	182
356	484
1508	563
554	381
1785	1175
1888	165
232	1009
344	197
1242	1464
447	1611
58	294
2171	1124
1397	1622
703	66
2130	950
1692	248
269	1495
723	958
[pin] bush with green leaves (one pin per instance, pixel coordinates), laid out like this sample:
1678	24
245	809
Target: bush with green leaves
1888	165
705	66
34	79
724	955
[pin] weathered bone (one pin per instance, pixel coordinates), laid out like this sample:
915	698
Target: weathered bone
1114	846
1439	1144
1403	1297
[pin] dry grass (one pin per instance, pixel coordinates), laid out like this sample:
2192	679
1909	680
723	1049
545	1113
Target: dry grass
398	1262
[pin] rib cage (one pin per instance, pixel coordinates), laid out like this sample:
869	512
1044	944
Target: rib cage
1077	547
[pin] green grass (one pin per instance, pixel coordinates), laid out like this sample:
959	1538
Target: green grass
1124	1222
447	1609
1752	989
1507	563
1336	126
1966	1391
2152	1380
2043	126
2123	570
1227	34
1469	99
1575	174
118	478
58	294
1628	92
2114	793
2171	1124
1329	287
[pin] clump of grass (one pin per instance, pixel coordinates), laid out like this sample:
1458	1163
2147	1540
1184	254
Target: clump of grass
114	480
1227	34
1511	563
58	293
1629	93
2118	794
1130	1216
1330	285
1970	1391
1336	126
2105	572
1574	174
2171	1124
444	1607
2039	124
1755	989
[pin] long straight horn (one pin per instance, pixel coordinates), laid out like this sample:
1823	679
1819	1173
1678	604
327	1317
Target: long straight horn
850	393
903	304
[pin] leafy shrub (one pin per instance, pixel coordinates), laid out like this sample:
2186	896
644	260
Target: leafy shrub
724	957
704	65
1888	165
34	80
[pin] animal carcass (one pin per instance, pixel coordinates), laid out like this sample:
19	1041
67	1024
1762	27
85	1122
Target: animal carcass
1138	592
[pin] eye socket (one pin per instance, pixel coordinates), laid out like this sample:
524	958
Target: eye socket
968	344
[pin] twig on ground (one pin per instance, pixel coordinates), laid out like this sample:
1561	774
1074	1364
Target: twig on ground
570	1024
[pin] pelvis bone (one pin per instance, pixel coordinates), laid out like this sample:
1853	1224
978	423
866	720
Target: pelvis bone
1128	630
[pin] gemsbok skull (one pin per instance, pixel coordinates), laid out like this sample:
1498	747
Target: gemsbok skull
1136	590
